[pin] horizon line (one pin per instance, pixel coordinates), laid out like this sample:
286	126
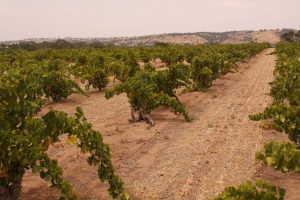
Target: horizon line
146	35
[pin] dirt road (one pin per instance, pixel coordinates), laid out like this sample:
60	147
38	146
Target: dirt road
175	159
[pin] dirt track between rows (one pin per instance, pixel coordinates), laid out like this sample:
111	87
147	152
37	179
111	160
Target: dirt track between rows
174	159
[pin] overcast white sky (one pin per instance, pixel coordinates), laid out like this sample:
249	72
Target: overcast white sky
20	19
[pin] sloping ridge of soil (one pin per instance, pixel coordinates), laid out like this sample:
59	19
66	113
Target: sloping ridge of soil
174	159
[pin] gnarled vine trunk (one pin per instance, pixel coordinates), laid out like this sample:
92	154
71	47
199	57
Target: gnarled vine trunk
12	191
142	116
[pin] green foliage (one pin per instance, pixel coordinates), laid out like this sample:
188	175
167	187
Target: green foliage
143	55
215	61
54	78
20	100
95	77
131	65
93	66
25	138
89	141
122	71
81	60
285	110
96	60
282	156
145	94
286	87
170	54
285	119
28	77
201	72
175	77
58	86
20	97
93	71
254	191
149	67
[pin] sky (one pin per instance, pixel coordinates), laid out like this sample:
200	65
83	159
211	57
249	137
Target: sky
21	19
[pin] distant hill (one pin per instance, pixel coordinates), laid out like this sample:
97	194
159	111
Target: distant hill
271	36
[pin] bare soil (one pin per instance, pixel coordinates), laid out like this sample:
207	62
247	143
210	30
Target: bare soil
270	36
289	181
266	36
175	159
